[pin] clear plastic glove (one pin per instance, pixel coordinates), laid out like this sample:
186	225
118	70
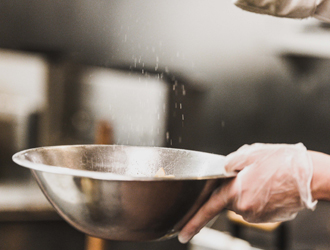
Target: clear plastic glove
273	184
288	8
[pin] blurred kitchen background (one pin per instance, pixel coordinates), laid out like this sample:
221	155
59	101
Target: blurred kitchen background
201	75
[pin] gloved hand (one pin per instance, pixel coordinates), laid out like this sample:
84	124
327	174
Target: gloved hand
288	8
273	184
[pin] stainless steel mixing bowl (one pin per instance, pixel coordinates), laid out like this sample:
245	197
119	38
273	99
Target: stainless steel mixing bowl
111	192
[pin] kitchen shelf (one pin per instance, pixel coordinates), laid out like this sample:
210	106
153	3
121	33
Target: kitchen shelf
22	201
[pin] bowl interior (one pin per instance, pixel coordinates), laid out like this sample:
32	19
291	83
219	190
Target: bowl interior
122	161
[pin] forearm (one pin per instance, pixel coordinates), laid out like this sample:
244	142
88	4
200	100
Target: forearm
288	8
323	12
320	184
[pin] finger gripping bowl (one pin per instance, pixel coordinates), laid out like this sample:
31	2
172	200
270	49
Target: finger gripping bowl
111	192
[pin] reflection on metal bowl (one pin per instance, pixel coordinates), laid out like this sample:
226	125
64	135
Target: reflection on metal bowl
110	191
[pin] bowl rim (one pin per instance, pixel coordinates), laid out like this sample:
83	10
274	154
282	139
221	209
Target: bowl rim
19	158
